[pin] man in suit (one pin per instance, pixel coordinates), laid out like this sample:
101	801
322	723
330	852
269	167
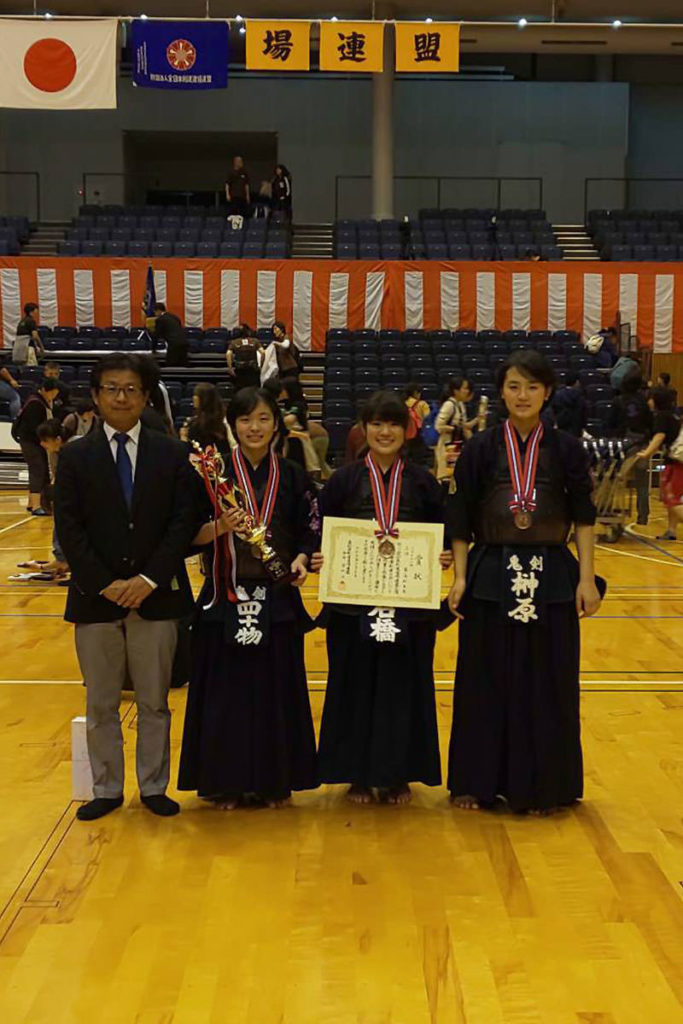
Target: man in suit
168	328
125	518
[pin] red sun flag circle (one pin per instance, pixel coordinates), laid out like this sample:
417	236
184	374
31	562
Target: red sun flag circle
181	54
50	65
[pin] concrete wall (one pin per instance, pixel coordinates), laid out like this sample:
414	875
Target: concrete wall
563	132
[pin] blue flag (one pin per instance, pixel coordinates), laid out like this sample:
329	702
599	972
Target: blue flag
180	54
150	299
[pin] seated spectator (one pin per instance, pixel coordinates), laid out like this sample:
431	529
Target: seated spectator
28	341
207	426
81	420
600	346
9	392
626	366
569	407
37	409
51	438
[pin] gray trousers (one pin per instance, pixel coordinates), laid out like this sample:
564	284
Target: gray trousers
106	652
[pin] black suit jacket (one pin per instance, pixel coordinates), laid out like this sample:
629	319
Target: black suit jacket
104	541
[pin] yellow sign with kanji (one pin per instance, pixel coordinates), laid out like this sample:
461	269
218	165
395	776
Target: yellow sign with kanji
427	46
278	45
352	46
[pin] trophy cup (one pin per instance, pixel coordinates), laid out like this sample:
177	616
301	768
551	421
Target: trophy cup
225	495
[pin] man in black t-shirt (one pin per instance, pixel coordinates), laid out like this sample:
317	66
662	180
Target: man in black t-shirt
168	328
237	190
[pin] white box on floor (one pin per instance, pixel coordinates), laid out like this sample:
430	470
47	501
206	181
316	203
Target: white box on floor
81	774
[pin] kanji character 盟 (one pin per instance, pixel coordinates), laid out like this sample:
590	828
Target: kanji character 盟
427	46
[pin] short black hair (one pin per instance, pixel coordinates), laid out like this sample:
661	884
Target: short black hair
411	390
30	307
386	407
273	387
531	364
571	378
48	384
142	366
246	400
451	385
83	405
161	306
50	430
665	378
51	364
279	323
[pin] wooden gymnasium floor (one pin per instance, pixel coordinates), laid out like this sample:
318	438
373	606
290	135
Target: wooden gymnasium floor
326	913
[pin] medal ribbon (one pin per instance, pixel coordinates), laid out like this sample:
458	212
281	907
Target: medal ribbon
523	479
266	512
215	489
386	508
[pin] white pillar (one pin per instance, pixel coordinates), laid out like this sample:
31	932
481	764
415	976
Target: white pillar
383	133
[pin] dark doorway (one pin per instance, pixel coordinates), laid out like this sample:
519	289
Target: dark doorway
190	168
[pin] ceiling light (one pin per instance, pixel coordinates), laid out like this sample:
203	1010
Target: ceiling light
616	23
334	18
47	14
238	17
522	23
243	30
428	21
143	17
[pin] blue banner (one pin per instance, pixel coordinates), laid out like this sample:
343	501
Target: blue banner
180	54
150	299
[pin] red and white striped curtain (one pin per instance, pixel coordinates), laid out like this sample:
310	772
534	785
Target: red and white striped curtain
312	296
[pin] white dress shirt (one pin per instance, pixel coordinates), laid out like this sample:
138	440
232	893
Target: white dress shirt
132	449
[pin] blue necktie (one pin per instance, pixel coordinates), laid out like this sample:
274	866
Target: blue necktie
124	467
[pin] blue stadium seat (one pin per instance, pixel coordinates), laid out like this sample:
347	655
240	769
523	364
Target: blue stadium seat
253	250
368	252
163	250
166	235
188	235
460	252
92	248
667	253
230	250
184	250
117	248
207	250
552	252
69	247
566	337
99	234
276	251
138	248
121	234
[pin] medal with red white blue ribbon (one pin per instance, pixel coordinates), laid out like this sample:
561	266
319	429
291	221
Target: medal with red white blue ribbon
523	478
265	513
386	503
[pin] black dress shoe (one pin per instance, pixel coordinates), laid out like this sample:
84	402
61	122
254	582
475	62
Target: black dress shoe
161	804
98	807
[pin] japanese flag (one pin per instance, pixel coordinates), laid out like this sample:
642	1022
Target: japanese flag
58	65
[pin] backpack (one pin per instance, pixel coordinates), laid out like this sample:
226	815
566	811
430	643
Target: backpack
429	432
14	429
414	423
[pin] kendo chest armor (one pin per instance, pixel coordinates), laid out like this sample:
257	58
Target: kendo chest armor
552	519
361	504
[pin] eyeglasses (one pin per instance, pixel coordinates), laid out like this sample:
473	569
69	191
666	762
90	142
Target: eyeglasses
113	390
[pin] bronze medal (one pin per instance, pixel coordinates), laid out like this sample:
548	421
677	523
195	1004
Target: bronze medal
523	520
387	548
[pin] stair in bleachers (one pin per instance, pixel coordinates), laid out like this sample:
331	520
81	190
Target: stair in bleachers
576	242
45	238
312	241
312	380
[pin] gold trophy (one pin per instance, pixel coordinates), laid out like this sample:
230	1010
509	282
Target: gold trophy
223	491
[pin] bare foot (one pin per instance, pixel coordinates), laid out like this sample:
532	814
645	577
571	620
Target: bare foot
465	803
399	794
359	795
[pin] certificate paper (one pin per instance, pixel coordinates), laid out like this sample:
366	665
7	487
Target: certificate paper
354	572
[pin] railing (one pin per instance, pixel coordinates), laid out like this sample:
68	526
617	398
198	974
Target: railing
20	194
113	187
437	191
632	193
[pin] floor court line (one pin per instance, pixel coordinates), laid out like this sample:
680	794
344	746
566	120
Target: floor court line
642	558
12	526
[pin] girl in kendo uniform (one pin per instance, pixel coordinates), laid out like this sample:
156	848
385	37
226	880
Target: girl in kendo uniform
521	487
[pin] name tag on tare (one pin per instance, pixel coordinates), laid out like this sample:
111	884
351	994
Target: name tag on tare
174	583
